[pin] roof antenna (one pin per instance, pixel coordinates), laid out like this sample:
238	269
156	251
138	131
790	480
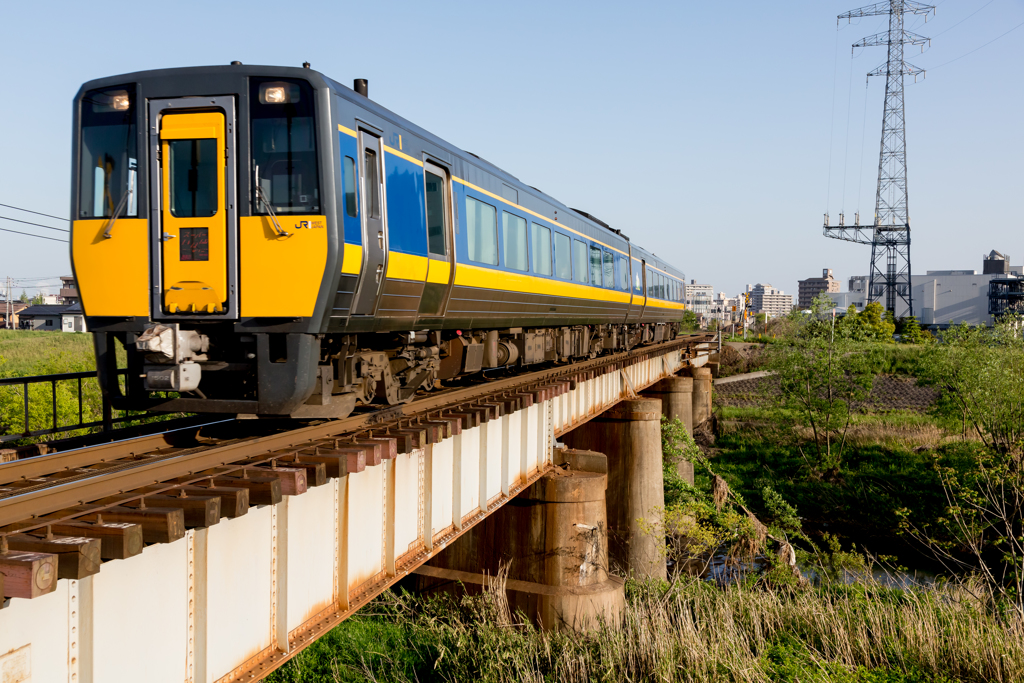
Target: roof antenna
361	86
305	65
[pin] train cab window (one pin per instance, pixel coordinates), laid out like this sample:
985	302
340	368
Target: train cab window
541	247
284	146
108	163
351	203
595	265
436	187
579	260
514	230
609	270
563	259
482	231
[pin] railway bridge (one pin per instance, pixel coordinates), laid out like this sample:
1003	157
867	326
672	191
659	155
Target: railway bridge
216	553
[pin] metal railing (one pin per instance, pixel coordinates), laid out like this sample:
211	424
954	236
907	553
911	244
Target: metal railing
23	385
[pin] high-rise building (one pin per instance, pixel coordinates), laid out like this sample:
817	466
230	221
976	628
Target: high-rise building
767	299
698	298
813	286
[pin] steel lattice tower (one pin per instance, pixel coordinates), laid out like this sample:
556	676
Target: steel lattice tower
889	236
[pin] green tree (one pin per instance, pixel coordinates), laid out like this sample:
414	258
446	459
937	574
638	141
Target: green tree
910	330
24	298
817	381
689	321
981	374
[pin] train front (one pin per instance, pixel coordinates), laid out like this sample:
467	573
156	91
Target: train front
204	237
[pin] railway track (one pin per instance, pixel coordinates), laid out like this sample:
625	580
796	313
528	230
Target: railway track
149	489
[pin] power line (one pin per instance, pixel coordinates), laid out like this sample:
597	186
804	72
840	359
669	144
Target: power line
964	19
38	225
931	68
8	206
18	232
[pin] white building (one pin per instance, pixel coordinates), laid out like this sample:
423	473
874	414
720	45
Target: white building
767	299
698	298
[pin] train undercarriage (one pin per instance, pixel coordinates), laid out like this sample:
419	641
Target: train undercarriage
214	369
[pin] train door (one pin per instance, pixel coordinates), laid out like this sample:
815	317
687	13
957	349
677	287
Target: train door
440	241
643	287
194	221
375	239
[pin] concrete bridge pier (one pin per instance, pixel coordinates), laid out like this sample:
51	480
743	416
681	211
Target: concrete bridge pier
553	538
676	395
629	433
702	382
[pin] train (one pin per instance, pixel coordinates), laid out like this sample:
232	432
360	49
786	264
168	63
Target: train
265	241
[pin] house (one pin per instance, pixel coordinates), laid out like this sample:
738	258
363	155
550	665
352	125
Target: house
68	290
73	319
9	311
43	317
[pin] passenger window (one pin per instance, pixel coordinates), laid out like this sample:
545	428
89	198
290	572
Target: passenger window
435	192
637	287
351	204
649	284
482	231
623	274
371	177
563	260
595	265
193	178
579	260
514	228
609	270
541	249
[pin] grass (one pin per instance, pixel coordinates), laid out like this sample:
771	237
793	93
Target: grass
30	353
685	631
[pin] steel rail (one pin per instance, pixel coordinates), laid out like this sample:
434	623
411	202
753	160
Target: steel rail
148	471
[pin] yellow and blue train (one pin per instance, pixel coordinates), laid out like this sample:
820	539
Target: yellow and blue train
264	240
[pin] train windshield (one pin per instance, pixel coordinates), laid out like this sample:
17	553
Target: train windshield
284	147
108	172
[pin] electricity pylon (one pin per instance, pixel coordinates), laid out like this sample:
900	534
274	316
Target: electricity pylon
889	236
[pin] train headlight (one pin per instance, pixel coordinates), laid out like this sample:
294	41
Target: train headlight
119	100
279	93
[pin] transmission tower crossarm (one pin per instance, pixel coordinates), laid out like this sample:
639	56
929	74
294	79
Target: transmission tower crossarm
883	8
880	39
858	234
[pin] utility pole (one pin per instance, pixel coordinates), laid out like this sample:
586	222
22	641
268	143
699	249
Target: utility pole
889	236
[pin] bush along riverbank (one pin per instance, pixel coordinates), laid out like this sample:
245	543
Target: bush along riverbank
783	553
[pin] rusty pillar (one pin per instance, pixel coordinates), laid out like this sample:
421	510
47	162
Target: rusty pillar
676	394
630	435
553	538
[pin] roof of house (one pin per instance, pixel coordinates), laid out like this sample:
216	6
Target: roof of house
45	309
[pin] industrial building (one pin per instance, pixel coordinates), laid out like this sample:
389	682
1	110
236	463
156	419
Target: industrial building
949	297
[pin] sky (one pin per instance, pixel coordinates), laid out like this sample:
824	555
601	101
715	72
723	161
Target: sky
715	135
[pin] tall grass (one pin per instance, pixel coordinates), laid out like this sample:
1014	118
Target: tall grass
685	631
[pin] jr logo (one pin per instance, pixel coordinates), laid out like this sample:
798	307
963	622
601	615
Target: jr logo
309	225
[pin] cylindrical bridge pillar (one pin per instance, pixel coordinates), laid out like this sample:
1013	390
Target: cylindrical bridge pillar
630	435
676	394
553	539
701	396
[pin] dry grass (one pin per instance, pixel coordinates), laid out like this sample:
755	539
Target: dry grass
689	631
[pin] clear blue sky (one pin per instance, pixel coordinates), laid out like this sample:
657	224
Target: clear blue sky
701	130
